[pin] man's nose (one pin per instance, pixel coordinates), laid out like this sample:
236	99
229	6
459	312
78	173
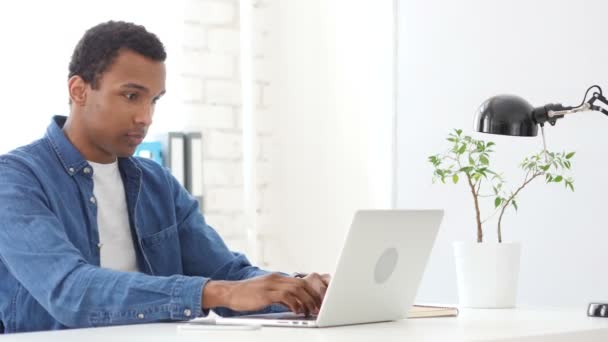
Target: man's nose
144	116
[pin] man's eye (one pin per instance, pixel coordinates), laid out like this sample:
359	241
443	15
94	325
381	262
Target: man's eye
131	96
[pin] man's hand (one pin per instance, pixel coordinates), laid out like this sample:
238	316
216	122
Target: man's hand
300	295
319	282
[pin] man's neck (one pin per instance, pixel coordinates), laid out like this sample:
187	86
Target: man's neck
75	133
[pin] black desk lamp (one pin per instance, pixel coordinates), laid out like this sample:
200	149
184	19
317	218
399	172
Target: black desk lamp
512	115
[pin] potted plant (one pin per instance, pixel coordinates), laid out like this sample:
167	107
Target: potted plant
487	272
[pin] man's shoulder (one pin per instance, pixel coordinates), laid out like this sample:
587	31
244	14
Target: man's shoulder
36	153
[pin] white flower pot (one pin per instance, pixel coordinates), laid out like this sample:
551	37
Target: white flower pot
487	274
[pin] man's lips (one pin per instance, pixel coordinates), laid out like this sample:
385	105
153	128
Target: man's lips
135	138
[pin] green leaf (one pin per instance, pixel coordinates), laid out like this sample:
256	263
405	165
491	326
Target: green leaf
452	139
570	155
484	160
567	164
490	144
558	179
497	202
471	161
462	149
459	131
514	205
455	179
466	169
571	186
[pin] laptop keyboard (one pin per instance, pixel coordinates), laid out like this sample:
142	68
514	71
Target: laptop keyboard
285	316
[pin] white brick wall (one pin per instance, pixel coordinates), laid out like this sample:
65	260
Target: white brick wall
192	89
227	200
222	172
224	144
229	226
195	36
210	12
209	116
208	64
224	40
212	103
223	92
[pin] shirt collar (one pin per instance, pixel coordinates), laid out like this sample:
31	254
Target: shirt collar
71	159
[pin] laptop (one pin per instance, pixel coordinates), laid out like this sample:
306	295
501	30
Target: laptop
377	275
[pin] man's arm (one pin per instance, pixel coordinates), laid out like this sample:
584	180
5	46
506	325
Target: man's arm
37	252
235	284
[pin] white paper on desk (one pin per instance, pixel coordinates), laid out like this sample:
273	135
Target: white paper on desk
209	323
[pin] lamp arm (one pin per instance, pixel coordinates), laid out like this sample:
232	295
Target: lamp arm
558	114
602	99
551	112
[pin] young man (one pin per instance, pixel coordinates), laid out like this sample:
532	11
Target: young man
91	236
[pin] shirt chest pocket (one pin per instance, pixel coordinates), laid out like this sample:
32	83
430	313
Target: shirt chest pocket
162	251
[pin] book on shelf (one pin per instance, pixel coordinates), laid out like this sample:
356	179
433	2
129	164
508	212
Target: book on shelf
424	311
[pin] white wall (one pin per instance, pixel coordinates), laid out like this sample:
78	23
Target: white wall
334	110
455	54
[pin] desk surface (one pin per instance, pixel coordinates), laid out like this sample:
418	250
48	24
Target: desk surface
555	325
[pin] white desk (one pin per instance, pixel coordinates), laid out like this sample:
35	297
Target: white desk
557	325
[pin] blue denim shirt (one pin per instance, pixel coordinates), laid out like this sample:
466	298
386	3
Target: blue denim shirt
50	276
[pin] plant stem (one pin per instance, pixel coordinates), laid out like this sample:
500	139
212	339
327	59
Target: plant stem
504	207
493	214
477	213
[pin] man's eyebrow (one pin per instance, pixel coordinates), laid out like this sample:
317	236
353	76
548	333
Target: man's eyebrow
135	86
141	87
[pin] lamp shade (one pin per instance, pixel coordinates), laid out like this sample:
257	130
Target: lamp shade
506	115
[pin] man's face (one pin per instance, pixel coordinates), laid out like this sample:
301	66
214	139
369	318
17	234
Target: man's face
117	114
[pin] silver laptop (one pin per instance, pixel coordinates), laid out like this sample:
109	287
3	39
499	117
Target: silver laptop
378	272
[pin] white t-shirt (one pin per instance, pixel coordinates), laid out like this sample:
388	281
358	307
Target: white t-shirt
116	243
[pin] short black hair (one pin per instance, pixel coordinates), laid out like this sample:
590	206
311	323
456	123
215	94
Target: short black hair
100	45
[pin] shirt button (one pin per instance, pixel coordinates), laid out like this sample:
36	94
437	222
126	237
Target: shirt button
87	170
71	170
141	316
93	200
187	313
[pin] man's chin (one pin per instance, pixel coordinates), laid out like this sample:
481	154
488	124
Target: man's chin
126	153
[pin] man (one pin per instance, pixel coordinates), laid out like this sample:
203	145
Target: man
91	236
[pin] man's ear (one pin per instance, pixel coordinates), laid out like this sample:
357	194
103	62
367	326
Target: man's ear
78	90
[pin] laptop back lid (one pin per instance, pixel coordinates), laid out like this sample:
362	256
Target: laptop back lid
380	267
